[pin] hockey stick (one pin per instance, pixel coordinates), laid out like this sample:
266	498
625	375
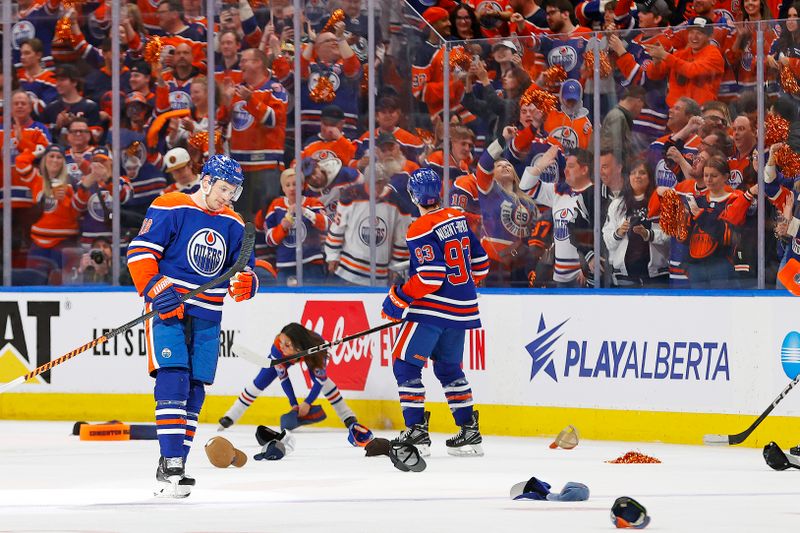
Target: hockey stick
322	347
248	243
722	440
250	355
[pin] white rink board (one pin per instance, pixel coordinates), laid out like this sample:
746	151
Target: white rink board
651	353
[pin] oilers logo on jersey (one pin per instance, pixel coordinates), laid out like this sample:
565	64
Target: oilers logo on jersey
549	174
74	172
206	252
381	231
664	176
49	204
566	56
747	59
796	246
516	218
179	100
300	235
566	136
735	179
21	32
313	79
99	207
561	219
241	119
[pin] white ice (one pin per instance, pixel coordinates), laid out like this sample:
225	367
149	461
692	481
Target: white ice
51	481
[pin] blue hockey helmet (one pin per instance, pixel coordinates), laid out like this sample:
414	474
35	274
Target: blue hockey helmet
425	187
222	167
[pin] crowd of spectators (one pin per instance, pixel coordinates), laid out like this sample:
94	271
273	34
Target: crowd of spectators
678	101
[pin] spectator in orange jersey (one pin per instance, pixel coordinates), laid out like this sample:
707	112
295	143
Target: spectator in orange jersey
571	125
26	192
258	131
331	136
744	144
57	227
716	216
694	72
427	83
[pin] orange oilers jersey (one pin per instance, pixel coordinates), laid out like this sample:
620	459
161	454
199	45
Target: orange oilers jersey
570	132
59	220
697	76
26	183
258	127
712	230
427	83
343	147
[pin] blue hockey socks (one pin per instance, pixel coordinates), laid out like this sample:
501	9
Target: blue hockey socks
411	390
456	389
197	395
172	394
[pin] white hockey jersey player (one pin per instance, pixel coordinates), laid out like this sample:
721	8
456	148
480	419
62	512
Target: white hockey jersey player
348	238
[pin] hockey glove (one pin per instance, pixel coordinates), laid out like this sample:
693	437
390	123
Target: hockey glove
165	299
359	435
243	286
395	304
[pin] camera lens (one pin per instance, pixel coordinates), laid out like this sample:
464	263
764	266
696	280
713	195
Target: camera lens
97	256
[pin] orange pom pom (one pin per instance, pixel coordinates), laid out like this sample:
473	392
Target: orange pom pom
605	63
542	100
152	50
674	219
337	16
634	458
460	58
63	29
555	75
776	129
788	161
323	92
788	81
199	141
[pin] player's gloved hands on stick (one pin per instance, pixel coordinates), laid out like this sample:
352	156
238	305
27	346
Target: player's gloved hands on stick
165	299
395	304
243	285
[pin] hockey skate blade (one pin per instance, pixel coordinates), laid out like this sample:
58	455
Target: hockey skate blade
172	489
470	450
716	440
424	449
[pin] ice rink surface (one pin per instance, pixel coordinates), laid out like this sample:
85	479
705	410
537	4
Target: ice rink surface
51	481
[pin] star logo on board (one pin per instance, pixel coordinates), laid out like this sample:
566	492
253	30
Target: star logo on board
540	349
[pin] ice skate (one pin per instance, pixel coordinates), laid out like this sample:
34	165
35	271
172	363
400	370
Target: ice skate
795	450
468	441
172	479
224	423
418	436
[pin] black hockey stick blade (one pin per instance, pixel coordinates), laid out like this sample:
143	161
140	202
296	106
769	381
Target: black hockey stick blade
324	347
738	438
246	250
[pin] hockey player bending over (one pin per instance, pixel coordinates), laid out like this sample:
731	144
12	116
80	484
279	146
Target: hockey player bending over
293	339
438	303
185	241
